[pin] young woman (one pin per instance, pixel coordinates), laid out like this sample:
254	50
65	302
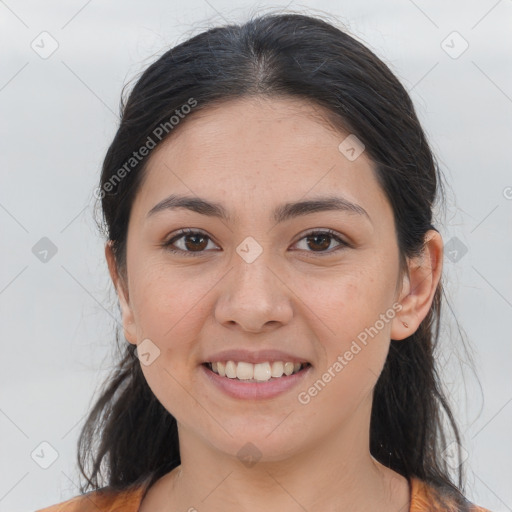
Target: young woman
268	203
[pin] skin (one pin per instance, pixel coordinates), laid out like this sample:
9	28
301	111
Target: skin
252	155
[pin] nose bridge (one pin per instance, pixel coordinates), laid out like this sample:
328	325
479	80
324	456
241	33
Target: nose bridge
253	274
253	295
252	256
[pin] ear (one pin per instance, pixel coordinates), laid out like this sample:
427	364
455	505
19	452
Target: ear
122	293
419	286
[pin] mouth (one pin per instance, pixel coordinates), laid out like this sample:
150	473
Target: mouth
256	373
260	381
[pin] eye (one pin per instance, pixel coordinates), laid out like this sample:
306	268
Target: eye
321	239
192	241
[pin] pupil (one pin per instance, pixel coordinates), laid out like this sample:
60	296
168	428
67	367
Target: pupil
199	236
325	237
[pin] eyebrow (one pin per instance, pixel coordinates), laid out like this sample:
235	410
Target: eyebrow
282	213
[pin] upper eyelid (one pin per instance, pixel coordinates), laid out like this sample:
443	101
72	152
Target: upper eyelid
192	231
184	232
188	231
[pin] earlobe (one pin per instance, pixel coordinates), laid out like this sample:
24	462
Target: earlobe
123	296
419	287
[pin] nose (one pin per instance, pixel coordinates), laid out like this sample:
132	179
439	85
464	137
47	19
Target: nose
254	297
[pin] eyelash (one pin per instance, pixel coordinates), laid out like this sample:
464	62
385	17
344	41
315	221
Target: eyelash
182	233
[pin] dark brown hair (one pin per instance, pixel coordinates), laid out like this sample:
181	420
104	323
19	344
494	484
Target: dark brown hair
278	55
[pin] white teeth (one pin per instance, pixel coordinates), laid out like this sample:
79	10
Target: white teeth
277	369
231	370
259	372
288	368
262	371
244	371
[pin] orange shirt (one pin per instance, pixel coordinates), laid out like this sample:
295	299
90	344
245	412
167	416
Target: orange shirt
423	499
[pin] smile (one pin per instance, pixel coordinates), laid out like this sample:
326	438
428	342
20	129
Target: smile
259	372
258	381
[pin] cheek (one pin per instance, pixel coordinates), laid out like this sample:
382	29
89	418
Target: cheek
167	312
349	301
170	310
357	313
167	302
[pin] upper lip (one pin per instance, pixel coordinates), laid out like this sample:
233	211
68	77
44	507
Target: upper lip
254	356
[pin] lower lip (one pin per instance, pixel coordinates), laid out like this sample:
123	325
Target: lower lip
255	390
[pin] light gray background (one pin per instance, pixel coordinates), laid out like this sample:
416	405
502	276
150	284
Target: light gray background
58	116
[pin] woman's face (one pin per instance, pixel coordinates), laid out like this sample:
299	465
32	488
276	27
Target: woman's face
254	282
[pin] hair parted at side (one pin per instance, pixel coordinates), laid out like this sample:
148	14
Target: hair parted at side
129	436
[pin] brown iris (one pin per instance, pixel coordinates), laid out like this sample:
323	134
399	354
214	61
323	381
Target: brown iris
321	236
200	243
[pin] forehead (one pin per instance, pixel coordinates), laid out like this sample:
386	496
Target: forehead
259	151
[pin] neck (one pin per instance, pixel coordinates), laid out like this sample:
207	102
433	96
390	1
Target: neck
337	475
